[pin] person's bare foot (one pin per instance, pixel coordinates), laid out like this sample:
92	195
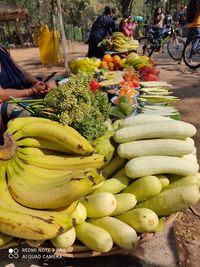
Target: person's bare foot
180	62
190	62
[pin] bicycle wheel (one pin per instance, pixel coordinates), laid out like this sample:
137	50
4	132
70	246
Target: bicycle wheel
191	53
175	47
145	47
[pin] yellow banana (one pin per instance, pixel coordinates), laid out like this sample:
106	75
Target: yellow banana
51	197
15	124
4	239
39	142
34	151
7	202
63	162
38	179
24	225
116	34
55	132
45	173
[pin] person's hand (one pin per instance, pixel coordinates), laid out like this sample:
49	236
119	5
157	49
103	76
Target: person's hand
41	87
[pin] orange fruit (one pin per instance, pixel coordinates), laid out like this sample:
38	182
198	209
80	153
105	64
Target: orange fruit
116	60
111	66
103	64
107	58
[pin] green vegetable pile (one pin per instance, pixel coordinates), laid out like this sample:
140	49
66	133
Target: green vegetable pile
75	105
93	124
72	100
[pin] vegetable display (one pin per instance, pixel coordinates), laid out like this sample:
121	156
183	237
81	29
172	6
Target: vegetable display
84	168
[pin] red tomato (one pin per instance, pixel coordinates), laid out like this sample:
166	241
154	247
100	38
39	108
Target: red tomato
94	85
150	77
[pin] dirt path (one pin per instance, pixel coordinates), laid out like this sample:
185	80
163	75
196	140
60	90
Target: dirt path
29	59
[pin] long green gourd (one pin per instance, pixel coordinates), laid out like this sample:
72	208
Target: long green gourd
171	129
150	147
172	200
152	165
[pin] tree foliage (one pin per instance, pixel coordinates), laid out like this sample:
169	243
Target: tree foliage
82	13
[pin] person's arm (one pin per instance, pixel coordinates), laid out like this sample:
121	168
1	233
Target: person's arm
160	21
38	88
6	93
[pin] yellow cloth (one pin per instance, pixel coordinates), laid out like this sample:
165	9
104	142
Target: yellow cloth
195	23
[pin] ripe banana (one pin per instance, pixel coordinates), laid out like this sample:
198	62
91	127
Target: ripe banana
39	142
48	196
63	162
53	131
36	151
62	217
15	124
38	179
24	225
45	173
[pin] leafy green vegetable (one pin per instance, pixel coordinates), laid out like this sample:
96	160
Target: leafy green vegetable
74	104
92	126
72	100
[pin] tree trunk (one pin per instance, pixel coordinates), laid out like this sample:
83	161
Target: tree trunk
62	34
18	32
126	7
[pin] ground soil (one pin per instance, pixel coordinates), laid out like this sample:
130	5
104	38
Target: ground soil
172	246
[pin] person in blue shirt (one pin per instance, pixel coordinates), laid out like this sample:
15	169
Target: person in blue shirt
16	82
104	25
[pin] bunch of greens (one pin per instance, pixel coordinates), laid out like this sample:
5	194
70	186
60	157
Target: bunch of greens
72	100
75	105
93	124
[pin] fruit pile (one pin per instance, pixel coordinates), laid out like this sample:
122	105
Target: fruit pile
88	65
124	106
45	168
122	43
119	43
111	62
51	186
136	61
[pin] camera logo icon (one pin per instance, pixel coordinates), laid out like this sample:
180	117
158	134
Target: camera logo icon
13	253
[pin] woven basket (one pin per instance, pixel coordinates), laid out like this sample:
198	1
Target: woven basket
84	252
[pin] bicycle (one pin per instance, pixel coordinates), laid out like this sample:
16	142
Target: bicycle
154	40
191	53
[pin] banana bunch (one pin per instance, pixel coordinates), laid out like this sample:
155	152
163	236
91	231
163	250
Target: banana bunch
45	168
84	65
123	43
135	60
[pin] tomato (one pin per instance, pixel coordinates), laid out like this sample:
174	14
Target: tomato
150	77
94	85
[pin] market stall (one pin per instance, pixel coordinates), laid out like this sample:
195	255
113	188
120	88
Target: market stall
94	174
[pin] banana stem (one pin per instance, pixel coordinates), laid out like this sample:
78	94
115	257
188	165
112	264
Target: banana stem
8	150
